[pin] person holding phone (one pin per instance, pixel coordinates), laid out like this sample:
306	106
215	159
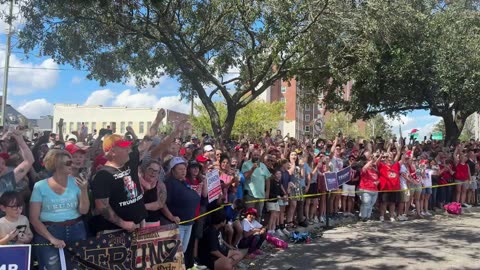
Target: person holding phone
14	227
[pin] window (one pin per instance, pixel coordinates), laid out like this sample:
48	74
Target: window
282	99
104	124
94	126
141	127
130	124
284	89
319	105
149	124
70	127
307	128
64	129
78	126
308	107
86	125
122	127
283	114
307	117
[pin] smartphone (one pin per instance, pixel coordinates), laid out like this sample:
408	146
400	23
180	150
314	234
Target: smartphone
21	228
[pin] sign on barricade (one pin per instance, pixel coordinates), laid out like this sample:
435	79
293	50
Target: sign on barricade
150	248
15	257
214	187
335	180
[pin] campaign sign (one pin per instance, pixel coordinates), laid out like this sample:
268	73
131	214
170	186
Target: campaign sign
214	187
343	176
15	257
331	181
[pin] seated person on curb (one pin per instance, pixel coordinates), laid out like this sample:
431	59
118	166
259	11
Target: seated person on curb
253	233
216	254
233	228
14	227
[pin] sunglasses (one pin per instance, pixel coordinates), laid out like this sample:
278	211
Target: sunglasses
68	163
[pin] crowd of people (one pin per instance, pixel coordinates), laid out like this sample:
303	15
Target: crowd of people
105	182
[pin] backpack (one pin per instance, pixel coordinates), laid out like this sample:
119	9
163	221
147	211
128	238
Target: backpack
454	208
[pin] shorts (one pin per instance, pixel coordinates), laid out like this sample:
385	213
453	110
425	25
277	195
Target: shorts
427	190
282	203
348	190
405	196
463	183
415	187
273	206
312	189
391	197
473	183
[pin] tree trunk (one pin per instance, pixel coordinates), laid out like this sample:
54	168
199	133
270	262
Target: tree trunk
454	123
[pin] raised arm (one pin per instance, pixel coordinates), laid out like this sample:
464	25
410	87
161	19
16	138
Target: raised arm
22	169
60	131
156	123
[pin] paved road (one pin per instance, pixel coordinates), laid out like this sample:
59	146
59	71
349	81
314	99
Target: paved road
442	242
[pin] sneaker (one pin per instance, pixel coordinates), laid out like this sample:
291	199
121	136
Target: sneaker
466	205
428	214
310	222
392	219
315	220
382	219
271	232
279	233
286	232
322	219
199	266
402	218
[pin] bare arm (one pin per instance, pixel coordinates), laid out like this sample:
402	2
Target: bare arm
96	147
34	217
132	132
60	131
156	123
103	208
22	169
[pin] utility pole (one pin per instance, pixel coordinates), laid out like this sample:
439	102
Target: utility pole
7	63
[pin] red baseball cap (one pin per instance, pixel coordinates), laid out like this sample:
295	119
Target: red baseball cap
73	148
115	140
201	159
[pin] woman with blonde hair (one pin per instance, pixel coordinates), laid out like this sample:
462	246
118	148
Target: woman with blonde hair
56	208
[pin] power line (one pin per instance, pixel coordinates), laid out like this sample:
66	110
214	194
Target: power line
43	68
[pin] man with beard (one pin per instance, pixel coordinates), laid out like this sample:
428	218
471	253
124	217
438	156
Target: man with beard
256	173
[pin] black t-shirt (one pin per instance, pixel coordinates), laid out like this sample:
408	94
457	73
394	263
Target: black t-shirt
471	165
211	242
122	188
275	189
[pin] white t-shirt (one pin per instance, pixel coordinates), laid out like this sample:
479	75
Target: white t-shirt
427	180
248	226
403	181
6	226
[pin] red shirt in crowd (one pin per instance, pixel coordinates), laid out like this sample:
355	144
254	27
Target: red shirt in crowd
445	176
389	176
461	172
367	180
196	184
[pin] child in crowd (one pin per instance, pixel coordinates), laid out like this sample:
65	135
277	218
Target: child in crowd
14	227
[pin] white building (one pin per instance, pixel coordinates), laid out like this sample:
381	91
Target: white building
118	118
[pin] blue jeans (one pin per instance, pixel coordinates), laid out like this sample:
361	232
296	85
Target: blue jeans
185	232
48	256
369	198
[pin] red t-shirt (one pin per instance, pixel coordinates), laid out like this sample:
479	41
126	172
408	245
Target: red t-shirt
389	176
367	179
196	185
445	176
461	172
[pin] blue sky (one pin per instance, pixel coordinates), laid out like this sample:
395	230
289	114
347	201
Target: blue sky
35	85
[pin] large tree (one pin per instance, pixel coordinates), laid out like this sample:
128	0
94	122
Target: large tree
196	41
257	117
401	56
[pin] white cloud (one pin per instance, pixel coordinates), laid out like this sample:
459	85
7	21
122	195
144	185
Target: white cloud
403	120
135	100
100	97
174	103
131	99
25	78
35	108
4	10
76	80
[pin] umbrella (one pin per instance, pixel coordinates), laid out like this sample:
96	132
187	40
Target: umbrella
414	131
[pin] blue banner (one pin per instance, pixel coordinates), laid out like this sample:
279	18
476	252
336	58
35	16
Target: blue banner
15	257
344	176
331	181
